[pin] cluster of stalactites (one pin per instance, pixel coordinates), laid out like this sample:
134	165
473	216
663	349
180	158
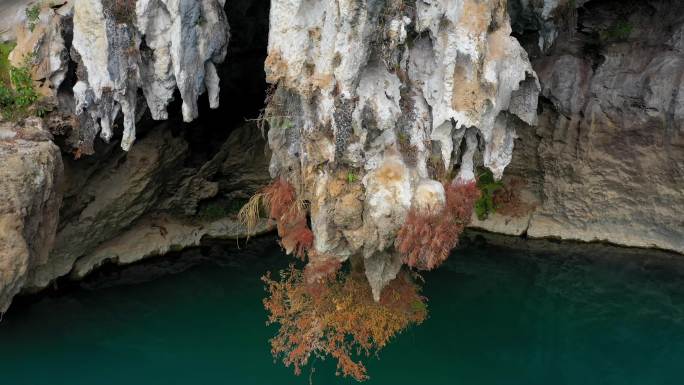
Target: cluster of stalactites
376	102
154	45
124	48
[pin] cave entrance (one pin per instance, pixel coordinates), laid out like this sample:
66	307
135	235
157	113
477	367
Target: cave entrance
242	80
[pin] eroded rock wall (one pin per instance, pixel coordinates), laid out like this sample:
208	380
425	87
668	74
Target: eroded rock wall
606	161
101	67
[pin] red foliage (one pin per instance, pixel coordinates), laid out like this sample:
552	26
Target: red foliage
281	199
296	237
426	239
341	320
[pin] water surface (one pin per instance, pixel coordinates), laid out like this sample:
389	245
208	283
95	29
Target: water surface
537	315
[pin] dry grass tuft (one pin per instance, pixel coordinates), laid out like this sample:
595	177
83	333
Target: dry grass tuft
250	213
279	200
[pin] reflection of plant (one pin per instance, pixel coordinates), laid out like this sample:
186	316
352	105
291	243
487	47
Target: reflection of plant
488	186
321	267
337	317
427	238
280	201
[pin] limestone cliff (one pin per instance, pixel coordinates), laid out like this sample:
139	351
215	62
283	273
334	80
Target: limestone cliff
575	104
103	67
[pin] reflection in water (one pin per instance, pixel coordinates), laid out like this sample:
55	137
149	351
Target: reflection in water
522	315
336	316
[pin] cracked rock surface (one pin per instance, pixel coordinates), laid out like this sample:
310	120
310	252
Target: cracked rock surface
606	161
30	198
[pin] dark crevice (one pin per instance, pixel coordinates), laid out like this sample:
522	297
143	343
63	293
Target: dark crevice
243	84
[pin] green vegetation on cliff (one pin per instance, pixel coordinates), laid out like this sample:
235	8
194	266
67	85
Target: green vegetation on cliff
488	186
17	92
5	49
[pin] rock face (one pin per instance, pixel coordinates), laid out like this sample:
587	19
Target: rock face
120	206
102	63
375	98
12	13
147	201
30	197
41	45
606	162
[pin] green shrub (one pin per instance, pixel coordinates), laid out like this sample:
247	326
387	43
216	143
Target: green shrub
488	186
17	91
17	94
619	31
5	49
32	16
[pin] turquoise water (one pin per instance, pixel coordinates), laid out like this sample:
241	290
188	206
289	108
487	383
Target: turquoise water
497	316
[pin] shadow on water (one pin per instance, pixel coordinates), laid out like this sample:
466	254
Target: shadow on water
502	311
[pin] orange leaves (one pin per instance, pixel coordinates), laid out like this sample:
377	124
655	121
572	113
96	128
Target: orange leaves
280	200
426	239
336	316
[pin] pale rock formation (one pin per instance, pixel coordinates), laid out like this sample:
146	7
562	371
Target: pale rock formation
12	13
157	46
383	94
31	178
